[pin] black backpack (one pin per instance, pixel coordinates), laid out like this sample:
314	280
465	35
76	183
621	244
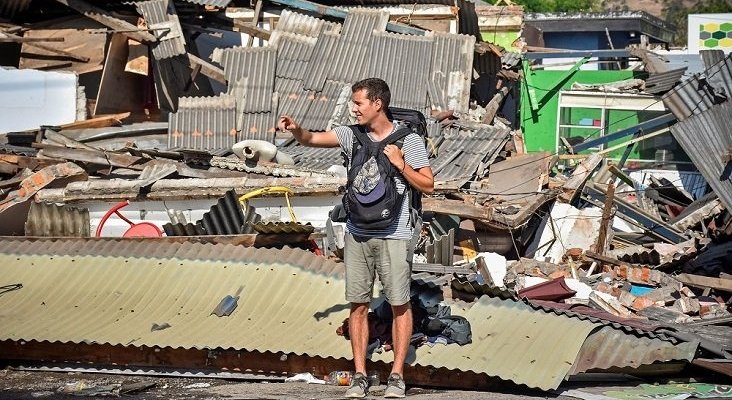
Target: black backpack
385	211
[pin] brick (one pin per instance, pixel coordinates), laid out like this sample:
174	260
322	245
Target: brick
575	253
559	274
687	305
626	298
642	302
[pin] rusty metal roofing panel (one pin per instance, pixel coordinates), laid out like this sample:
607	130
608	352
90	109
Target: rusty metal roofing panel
204	123
250	73
463	153
702	91
404	63
154	249
122	299
160	16
707	137
302	24
627	351
661	82
54	220
451	69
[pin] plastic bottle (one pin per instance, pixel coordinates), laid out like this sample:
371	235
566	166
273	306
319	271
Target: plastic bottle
339	378
343	378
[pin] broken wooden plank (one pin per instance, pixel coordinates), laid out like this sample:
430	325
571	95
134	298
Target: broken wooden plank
251	30
579	177
207	68
32	184
705	282
47	48
30	39
106	19
600	246
101	121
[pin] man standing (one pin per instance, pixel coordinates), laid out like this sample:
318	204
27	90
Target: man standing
370	247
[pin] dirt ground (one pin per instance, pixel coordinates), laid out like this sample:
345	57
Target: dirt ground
50	385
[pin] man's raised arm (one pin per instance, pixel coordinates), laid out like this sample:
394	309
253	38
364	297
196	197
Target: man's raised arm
305	137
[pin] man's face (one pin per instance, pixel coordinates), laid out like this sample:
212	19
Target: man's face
364	109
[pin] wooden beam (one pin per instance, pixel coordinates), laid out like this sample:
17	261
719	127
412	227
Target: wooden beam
48	48
207	68
106	19
255	20
705	282
456	207
252	30
606	216
30	39
579	177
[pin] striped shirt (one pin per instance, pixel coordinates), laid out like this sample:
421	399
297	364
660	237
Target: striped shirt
415	154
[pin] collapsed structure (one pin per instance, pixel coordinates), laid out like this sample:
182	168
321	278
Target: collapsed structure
582	256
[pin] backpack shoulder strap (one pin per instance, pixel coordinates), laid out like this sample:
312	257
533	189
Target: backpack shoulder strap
360	134
398	137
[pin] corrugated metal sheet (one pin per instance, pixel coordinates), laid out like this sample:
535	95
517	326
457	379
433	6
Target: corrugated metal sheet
250	73
121	300
161	14
215	3
152	249
267	169
345	57
281	227
314	157
225	217
404	63
293	54
8	8
707	137
204	123
312	110
463	153
711	57
258	126
701	92
608	348
54	220
302	24
451	70
661	82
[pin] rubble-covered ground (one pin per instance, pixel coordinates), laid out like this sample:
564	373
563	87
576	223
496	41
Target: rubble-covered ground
50	385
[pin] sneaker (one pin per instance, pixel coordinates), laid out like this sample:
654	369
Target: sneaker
395	387
359	386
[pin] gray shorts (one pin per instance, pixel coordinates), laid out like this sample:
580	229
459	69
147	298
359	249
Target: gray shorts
365	257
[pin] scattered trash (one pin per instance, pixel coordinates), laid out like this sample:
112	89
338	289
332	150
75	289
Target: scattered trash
306	377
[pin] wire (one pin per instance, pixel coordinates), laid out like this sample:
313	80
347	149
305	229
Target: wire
10	288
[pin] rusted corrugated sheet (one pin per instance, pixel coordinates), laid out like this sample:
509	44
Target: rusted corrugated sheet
293	309
54	220
204	123
160	16
608	348
699	93
150	249
707	137
281	227
250	73
450	70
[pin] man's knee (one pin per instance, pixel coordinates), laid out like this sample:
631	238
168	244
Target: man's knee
401	309
359	309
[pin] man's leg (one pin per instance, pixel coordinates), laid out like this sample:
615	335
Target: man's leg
358	329
401	332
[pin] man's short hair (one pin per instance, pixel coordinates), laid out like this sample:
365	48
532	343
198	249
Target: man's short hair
375	89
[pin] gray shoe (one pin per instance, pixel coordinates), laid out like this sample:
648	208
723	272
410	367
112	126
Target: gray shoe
359	386
395	387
